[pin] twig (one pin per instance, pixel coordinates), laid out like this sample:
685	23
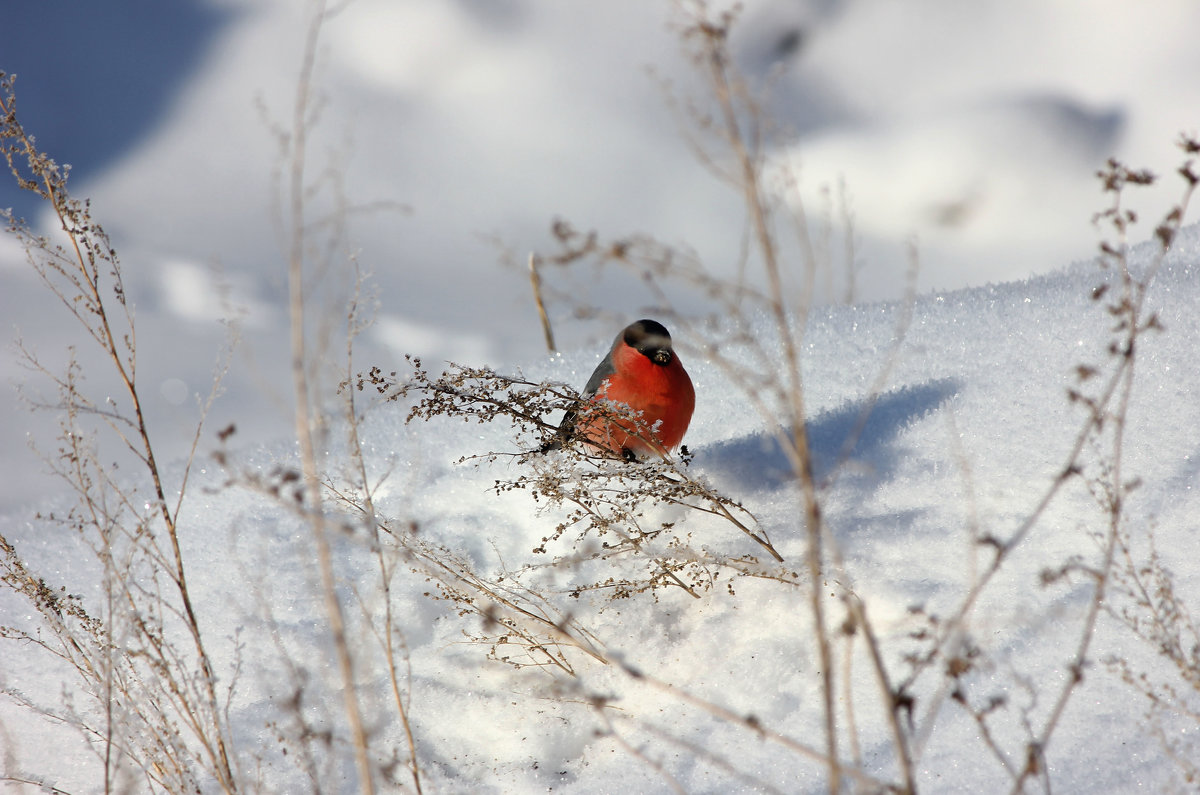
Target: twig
535	279
304	411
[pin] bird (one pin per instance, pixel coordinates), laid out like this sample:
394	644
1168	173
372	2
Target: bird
643	372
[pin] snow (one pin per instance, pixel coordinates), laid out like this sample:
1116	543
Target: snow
964	431
975	128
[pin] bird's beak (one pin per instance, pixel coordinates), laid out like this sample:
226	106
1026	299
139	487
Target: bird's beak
662	357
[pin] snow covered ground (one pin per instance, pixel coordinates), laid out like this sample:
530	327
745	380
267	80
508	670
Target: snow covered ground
490	121
968	433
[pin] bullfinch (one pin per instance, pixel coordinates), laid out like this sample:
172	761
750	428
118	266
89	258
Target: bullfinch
643	372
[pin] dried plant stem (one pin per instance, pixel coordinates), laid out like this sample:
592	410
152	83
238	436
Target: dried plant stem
387	639
748	157
535	280
560	631
697	750
752	724
305	412
76	279
630	749
1130	308
887	693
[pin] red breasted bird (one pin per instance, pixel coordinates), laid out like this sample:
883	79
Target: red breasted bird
641	371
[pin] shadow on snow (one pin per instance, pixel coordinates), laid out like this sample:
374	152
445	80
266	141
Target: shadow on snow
758	461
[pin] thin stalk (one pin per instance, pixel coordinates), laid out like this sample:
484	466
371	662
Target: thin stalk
801	459
305	411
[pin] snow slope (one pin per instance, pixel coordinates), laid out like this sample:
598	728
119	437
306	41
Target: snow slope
970	429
